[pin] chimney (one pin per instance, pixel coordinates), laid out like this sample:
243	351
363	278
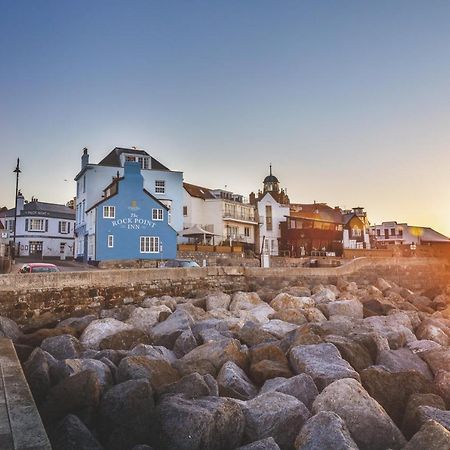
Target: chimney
20	202
84	158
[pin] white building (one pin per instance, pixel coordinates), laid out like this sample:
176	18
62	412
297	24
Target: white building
393	233
161	182
221	212
44	230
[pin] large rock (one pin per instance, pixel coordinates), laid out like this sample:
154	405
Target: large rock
217	300
290	315
126	414
124	340
276	415
166	333
268	361
433	330
35	339
193	386
392	389
432	436
245	301
279	328
185	343
300	386
348	308
157	371
322	362
263	444
425	413
411	419
9	329
367	421
79	324
154	352
209	423
102	370
325	431
253	334
442	384
402	360
37	372
145	318
233	382
258	314
100	329
72	434
325	295
210	357
65	346
78	394
285	301
437	359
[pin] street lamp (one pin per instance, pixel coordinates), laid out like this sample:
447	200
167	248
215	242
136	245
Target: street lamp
16	171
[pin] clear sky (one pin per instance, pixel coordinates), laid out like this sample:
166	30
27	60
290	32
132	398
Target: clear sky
349	100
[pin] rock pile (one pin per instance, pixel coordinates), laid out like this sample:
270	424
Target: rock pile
311	367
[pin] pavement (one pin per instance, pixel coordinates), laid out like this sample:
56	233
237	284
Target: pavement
63	266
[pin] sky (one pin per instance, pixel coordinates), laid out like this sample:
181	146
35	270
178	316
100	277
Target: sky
349	100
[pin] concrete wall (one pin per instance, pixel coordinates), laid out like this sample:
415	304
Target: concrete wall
25	297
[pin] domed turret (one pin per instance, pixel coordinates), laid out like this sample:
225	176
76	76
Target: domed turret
271	183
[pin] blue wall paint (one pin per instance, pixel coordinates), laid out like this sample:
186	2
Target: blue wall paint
133	219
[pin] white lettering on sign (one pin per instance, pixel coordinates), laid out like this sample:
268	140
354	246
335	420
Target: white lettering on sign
133	223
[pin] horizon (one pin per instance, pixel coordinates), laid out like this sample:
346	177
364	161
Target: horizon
349	103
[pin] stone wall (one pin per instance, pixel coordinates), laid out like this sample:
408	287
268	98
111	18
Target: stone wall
25	297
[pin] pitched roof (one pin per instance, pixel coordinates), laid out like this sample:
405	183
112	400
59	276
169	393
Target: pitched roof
316	211
198	191
112	159
43	208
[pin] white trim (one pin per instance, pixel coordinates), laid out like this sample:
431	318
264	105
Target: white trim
147	244
110	241
157	214
109	212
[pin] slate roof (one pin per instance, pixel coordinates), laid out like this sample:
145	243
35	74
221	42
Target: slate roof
44	209
198	191
316	211
112	159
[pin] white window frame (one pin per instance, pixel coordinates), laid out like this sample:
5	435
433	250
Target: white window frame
149	244
110	241
33	222
63	227
109	212
160	186
157	214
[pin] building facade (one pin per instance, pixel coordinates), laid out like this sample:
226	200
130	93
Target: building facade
158	180
129	223
44	230
356	228
225	214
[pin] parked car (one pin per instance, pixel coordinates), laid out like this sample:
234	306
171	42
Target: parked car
180	263
38	268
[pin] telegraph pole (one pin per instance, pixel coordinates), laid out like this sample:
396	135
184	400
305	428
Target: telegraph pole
16	171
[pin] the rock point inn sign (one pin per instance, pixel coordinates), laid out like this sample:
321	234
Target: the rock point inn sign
133	222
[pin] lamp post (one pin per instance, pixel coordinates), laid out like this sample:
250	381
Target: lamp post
16	171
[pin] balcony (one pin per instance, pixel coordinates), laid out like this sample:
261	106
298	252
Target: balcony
239	217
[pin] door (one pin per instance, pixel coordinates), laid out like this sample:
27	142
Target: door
36	248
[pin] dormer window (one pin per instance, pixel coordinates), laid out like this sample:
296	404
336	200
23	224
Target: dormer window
142	160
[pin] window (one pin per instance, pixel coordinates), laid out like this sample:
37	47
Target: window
143	162
356	232
392	231
10	225
64	227
269	217
83	208
84	183
110	241
160	186
400	232
246	231
62	247
149	244
37	225
378	232
157	214
185	211
109	212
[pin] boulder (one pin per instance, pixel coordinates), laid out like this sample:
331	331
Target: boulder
233	382
72	434
432	436
185	343
217	300
165	300
100	329
433	330
79	324
245	301
166	333
426	413
78	394
298	291
377	306
157	371
285	301
259	314
209	423
411	420
37	373
64	346
348	308
126	414
102	370
383	285
442	384
121	313
370	426
144	319
278	328
326	295
392	389
154	352
322	362
314	315
353	352
210	357
325	431
124	340
193	386
402	360
437	359
301	387
423	346
275	415
263	444
252	334
290	315
9	329
35	339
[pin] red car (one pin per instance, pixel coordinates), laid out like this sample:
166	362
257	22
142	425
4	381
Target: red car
38	268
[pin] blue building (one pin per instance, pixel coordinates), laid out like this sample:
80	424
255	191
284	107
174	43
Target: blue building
164	184
130	223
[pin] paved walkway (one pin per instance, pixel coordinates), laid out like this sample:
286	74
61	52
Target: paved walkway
20	424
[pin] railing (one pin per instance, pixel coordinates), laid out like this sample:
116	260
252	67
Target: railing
245	217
